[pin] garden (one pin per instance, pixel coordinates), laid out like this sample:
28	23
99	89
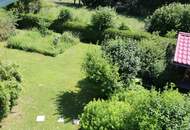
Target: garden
93	65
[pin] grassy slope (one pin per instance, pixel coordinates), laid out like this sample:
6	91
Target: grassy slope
44	79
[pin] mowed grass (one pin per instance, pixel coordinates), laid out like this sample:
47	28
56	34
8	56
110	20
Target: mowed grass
49	84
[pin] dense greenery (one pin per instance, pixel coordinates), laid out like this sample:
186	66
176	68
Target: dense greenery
100	71
138	109
25	6
51	44
134	7
7	24
10	87
174	17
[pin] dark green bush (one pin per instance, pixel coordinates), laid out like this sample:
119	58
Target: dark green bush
101	72
65	15
7	24
126	54
103	18
105	115
153	60
174	17
136	35
28	21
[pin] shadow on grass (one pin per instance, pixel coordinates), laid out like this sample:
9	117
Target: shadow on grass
70	104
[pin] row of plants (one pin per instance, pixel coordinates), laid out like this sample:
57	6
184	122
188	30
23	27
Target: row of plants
136	108
10	87
50	44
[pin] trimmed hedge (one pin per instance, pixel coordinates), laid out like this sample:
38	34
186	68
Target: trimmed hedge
114	33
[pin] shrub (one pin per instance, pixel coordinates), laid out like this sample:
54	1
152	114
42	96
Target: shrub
105	115
4	102
154	61
155	110
100	71
172	17
103	18
33	41
65	15
7	24
126	55
29	21
13	88
25	6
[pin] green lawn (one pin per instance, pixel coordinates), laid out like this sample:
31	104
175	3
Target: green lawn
51	88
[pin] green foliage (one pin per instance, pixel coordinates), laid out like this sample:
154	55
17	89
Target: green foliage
7	24
136	35
136	108
10	87
174	17
65	15
4	102
103	18
126	55
105	115
51	44
100	71
25	6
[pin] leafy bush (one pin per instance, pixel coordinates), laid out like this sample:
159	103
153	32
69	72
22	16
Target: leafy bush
154	61
4	102
25	6
105	115
136	108
7	24
51	44
65	15
100	71
126	55
103	18
28	21
10	87
172	17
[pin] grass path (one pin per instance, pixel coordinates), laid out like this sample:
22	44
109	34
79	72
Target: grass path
44	79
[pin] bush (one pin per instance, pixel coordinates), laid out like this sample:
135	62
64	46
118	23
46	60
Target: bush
103	18
25	6
155	110
10	87
51	44
65	15
101	72
7	24
105	115
126	55
174	17
4	102
154	61
28	21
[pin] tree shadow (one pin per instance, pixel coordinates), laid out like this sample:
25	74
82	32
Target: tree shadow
70	104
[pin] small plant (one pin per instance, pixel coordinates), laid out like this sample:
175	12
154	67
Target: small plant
7	24
65	15
103	18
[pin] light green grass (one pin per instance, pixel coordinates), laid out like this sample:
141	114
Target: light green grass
33	41
46	80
